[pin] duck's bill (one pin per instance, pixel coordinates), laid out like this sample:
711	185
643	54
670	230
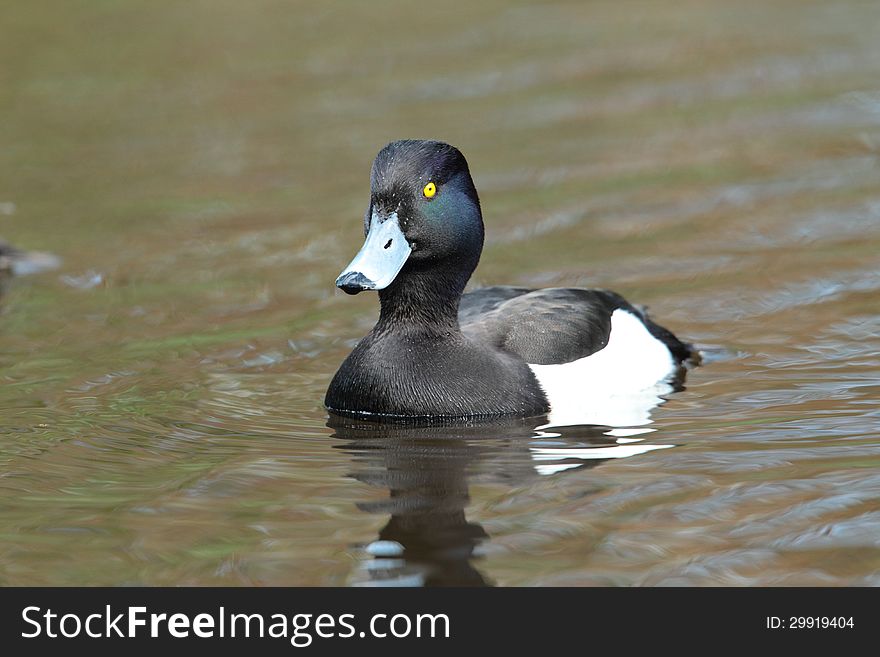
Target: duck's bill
380	259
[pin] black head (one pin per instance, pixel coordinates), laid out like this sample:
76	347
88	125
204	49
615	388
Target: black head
423	219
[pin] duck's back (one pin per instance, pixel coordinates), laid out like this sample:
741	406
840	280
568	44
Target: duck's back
553	326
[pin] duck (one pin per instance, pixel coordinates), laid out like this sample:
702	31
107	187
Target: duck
438	353
18	262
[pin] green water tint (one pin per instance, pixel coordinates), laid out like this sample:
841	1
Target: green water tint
202	170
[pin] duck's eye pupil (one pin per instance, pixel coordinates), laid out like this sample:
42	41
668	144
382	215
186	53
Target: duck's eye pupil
429	190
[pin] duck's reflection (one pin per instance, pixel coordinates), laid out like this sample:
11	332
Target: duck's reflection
428	540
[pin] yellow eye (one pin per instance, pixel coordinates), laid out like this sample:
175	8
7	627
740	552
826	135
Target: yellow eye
429	190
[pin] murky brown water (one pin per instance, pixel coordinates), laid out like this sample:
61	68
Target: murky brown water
202	169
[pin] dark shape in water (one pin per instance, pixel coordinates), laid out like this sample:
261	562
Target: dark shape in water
16	262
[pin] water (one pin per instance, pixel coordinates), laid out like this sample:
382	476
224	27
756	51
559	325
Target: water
202	169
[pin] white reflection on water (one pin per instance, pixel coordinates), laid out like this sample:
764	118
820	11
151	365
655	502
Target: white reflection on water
624	415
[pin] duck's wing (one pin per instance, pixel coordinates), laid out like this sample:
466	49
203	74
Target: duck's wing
553	325
547	326
476	304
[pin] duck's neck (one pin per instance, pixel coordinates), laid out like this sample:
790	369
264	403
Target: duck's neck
422	300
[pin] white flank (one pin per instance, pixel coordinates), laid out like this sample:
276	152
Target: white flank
617	386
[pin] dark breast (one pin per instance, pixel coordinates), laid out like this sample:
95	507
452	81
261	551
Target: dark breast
417	376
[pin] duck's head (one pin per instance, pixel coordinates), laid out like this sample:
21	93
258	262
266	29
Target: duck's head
424	217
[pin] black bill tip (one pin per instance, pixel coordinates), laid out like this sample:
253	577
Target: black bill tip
352	282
